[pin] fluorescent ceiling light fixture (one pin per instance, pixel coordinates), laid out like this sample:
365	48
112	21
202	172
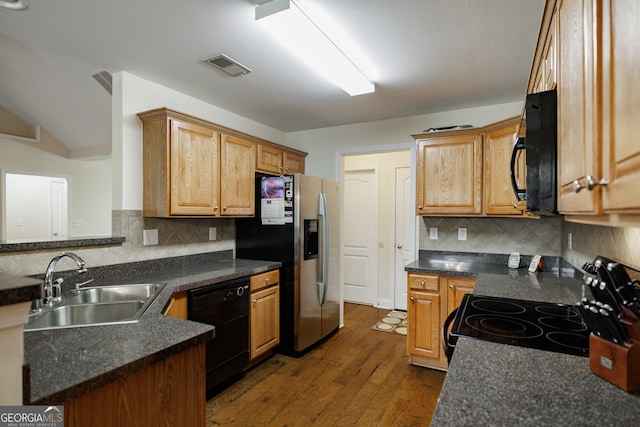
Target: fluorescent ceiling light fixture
13	4
295	29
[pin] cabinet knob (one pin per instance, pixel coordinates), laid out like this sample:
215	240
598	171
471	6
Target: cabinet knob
215	208
411	298
224	208
420	207
266	279
422	283
591	183
399	246
255	301
450	286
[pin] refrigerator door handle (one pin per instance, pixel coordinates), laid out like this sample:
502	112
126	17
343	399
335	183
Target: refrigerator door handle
323	260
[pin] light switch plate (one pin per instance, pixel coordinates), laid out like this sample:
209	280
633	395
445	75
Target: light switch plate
212	233
150	237
433	233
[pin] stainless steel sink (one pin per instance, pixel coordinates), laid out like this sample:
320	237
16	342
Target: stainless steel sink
116	293
97	306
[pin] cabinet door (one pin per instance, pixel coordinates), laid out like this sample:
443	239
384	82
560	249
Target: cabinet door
237	176
457	287
498	191
621	108
177	306
270	160
194	182
423	335
578	106
265	320
449	175
293	163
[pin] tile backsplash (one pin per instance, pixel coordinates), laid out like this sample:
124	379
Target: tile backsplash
493	235
589	241
176	237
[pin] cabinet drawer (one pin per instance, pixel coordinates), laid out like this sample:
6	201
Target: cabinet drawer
423	281
260	281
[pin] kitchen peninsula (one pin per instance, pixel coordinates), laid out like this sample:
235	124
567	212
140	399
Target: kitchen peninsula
498	384
66	365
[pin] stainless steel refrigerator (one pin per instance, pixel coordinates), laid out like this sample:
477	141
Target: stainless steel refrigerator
297	222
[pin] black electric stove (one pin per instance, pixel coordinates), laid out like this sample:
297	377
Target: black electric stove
541	325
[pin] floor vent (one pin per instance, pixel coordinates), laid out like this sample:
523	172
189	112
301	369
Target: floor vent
226	64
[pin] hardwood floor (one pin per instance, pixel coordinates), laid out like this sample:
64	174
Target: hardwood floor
358	377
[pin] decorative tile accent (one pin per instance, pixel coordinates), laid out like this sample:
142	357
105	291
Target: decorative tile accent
493	235
176	237
589	241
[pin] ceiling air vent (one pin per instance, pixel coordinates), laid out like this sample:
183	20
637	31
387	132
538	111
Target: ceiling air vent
226	64
104	78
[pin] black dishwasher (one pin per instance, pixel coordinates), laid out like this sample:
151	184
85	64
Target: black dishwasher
224	305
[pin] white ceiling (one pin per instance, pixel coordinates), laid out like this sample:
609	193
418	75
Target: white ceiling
430	56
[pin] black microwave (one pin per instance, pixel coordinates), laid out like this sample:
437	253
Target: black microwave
541	147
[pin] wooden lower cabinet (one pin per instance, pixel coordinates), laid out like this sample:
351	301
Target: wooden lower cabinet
177	306
168	393
431	299
264	320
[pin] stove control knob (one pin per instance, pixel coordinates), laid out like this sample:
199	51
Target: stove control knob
240	291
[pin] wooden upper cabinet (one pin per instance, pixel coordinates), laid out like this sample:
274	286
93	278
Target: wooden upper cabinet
578	129
293	163
449	174
237	177
193	168
621	108
194	177
273	160
498	191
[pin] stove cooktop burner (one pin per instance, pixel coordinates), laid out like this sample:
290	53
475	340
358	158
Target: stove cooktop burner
541	325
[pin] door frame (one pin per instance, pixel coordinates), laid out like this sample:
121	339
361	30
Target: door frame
339	172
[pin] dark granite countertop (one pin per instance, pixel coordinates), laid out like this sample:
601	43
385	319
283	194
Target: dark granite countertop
498	384
39	244
17	289
67	363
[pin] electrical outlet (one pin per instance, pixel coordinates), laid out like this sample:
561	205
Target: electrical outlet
433	233
150	237
212	233
570	241
462	234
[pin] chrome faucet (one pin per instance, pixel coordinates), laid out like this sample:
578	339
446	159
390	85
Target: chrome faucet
51	292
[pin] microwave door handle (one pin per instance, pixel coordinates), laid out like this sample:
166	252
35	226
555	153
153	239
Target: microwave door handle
520	193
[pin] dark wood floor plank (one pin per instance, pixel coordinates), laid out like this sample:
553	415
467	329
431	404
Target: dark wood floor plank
358	377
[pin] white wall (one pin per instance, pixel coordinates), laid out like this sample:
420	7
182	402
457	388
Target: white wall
90	182
132	95
323	144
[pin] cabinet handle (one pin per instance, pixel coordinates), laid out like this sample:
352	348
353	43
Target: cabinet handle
591	184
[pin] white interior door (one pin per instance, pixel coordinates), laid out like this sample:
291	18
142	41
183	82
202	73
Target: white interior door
403	216
59	217
360	235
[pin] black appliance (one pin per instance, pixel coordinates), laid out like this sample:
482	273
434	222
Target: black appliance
534	324
540	146
226	306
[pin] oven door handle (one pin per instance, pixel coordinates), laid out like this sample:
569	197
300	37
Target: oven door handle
448	348
520	193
